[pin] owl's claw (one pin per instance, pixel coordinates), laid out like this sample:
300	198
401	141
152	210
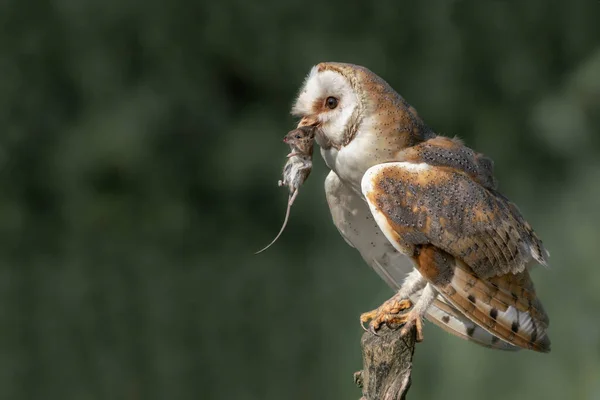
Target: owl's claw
413	320
388	313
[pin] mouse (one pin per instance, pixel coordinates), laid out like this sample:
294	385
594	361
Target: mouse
297	168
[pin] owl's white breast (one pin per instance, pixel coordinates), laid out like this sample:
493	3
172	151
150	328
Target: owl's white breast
357	226
349	210
352	161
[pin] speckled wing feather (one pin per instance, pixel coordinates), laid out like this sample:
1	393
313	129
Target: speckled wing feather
467	240
447	208
352	217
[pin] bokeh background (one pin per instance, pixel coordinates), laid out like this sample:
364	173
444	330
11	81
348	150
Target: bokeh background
140	148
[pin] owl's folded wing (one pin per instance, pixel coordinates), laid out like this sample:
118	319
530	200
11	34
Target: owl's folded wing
424	204
466	240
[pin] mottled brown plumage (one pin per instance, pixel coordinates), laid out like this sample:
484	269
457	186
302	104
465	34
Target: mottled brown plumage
466	239
443	205
396	187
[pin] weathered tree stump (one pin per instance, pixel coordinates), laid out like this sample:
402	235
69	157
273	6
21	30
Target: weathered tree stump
387	365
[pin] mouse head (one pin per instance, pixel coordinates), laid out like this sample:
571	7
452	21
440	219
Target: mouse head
301	138
304	133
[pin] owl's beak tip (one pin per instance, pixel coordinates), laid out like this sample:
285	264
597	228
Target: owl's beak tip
308	121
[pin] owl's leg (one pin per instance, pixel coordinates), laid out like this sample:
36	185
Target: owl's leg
413	283
415	316
389	312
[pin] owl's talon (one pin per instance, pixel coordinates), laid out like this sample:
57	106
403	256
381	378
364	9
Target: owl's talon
413	320
371	330
388	313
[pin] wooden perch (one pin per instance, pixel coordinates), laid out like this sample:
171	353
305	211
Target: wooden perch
387	365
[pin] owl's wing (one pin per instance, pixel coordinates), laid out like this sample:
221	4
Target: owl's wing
353	219
467	240
444	207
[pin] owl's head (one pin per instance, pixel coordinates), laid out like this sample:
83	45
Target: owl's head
329	99
338	98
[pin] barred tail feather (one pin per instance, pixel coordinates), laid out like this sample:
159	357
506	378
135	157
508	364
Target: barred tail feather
452	321
505	306
517	319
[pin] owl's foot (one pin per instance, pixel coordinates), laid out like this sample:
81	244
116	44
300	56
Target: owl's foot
389	314
413	320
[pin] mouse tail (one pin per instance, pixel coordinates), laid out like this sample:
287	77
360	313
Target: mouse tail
287	215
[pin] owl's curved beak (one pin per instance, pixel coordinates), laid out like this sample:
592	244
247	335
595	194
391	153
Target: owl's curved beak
309	120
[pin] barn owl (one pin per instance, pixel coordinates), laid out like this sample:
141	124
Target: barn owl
423	210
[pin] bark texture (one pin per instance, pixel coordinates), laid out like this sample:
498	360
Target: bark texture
387	365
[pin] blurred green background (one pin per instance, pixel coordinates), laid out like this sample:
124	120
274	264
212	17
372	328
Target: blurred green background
140	148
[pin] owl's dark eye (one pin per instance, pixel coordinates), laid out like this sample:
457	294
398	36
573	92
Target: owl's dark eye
331	102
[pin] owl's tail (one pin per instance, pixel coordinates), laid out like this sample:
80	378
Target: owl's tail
505	306
447	317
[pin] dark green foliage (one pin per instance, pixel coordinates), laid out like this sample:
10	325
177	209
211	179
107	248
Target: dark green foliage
140	148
